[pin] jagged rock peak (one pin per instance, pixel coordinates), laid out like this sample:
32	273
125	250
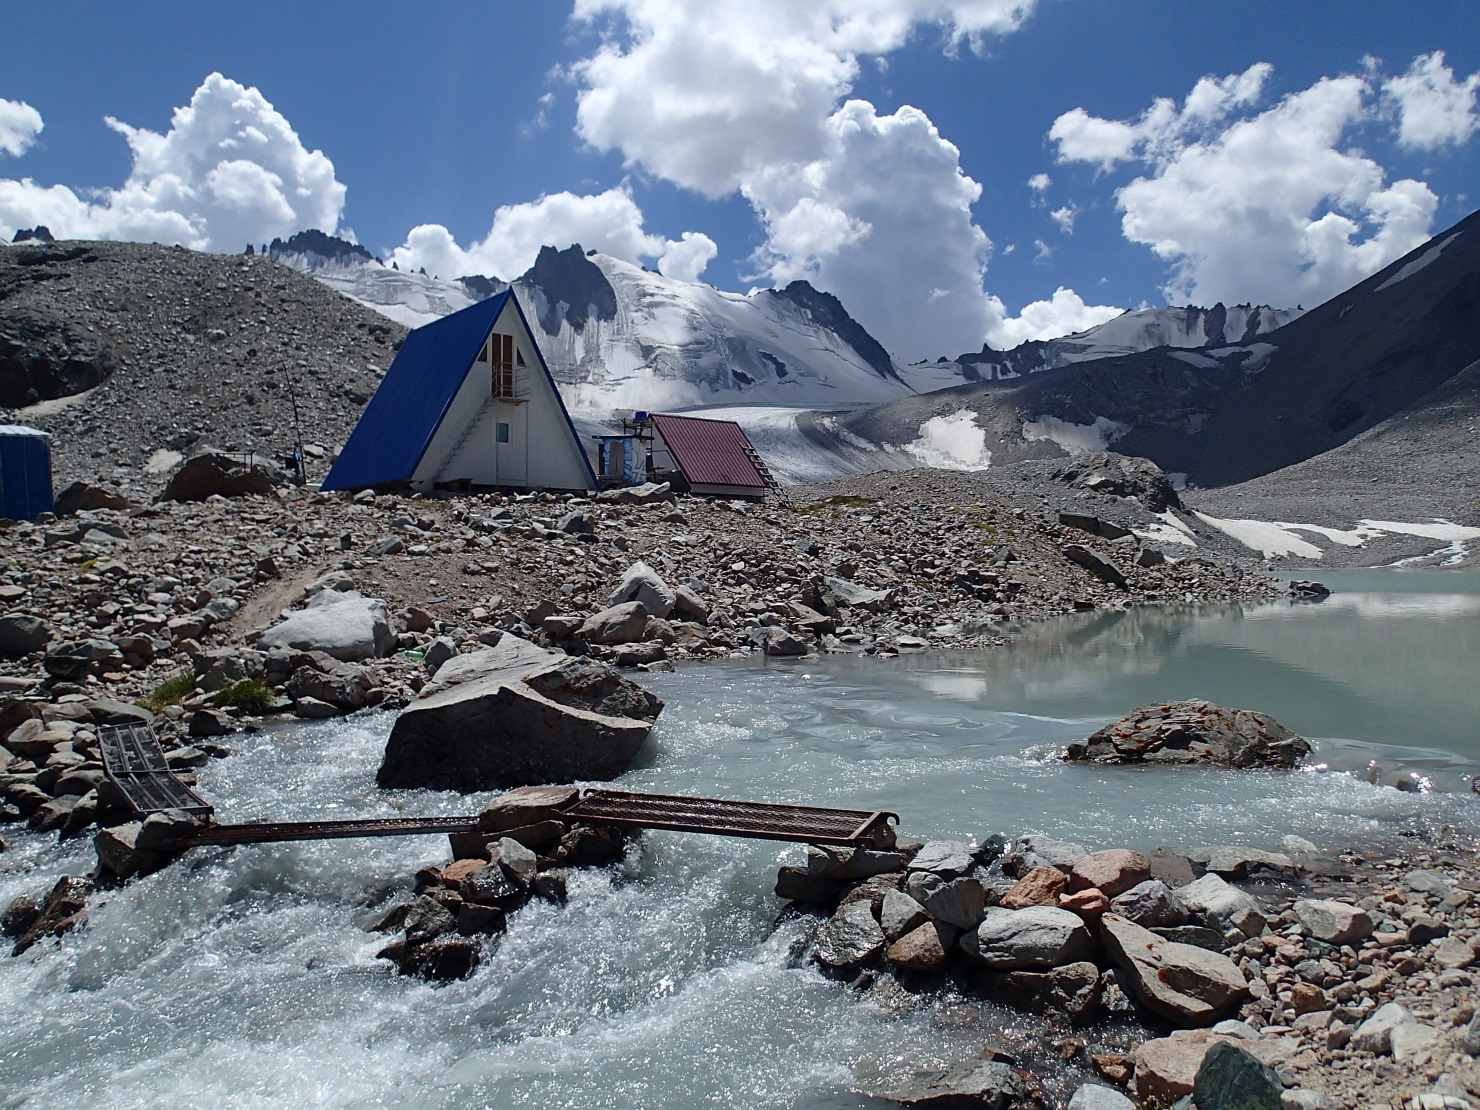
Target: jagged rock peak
826	310
315	242
573	286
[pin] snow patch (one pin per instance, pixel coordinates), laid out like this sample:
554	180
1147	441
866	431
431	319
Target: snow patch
1418	263
1354	537
952	442
1076	439
162	460
1166	533
1255	355
1440	529
1202	362
1266	537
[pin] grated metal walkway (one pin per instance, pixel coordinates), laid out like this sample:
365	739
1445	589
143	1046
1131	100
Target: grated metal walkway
134	762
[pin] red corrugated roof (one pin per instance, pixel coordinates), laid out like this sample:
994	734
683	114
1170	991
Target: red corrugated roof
709	452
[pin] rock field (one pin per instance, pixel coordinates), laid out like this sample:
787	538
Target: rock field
1342	981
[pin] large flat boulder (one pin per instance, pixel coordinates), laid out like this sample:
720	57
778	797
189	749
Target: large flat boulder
213	472
1184	984
1196	732
346	625
518	715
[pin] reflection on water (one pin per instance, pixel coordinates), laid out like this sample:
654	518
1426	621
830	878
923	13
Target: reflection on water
1393	668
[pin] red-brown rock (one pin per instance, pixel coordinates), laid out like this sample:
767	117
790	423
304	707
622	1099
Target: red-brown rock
1089	904
927	948
1039	887
454	873
1113	871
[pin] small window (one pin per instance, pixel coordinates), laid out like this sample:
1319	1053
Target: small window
501	433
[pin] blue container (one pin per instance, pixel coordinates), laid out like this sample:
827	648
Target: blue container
25	472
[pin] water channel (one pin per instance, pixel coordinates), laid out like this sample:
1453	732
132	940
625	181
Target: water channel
240	976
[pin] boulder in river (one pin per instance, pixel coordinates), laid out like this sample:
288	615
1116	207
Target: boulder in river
1196	732
514	715
1182	983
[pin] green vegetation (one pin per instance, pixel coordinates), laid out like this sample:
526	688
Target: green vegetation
841	501
250	694
179	685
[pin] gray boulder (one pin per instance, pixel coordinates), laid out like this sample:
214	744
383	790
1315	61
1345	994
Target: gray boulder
1182	983
1233	1078
346	625
857	596
1195	732
21	634
1222	906
1375	1035
1151	905
1334	922
514	715
626	623
851	937
1092	1096
946	858
1099	566
959	902
1037	937
989	1084
642	583
1028	852
82	657
780	642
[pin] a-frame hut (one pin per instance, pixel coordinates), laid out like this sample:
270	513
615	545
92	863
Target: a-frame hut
467	404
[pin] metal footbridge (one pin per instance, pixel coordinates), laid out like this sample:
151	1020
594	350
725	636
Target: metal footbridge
134	763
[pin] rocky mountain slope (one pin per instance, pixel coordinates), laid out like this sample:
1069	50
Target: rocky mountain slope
129	353
1138	330
1230	414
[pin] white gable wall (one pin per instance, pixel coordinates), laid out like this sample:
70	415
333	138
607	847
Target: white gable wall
541	452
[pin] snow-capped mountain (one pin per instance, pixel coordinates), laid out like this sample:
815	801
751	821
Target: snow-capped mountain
1130	333
618	336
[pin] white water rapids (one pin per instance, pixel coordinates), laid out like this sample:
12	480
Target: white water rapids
241	977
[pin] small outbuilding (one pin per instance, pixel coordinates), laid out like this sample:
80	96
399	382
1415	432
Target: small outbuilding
706	456
25	472
468	403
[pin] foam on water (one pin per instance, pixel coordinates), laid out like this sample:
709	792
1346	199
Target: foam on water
242	976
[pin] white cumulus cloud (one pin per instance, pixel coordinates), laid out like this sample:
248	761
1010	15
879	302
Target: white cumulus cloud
1065	217
1062	314
1039	182
19	126
686	257
720	98
610	222
1269	206
230	171
1433	108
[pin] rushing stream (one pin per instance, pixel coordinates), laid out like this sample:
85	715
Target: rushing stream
240	976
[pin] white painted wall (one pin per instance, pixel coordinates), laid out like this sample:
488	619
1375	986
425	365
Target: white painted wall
542	452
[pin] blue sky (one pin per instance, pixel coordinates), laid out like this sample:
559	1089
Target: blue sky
882	149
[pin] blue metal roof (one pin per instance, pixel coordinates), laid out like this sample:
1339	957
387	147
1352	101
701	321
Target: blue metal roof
397	426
